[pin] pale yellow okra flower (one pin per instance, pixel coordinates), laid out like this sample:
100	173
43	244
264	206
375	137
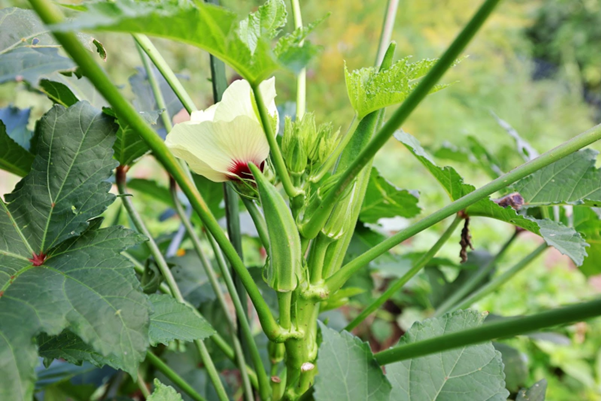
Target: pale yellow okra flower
219	142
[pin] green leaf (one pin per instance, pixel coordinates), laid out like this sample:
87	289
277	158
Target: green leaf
31	65
526	151
16	121
152	189
348	370
164	392
469	373
191	280
68	346
129	146
474	154
212	193
565	239
384	200
534	393
571	180
244	46
13	157
58	92
58	271
514	365
587	221
370	89
171	320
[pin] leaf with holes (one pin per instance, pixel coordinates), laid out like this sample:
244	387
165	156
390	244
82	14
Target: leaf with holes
565	239
58	271
384	200
244	45
469	373
348	370
571	180
171	320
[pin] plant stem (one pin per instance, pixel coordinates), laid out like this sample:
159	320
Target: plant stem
316	257
399	283
387	26
168	276
576	143
258	220
500	280
475	279
173	376
284	302
449	57
142	385
502	328
301	79
156	90
263	380
276	154
239	354
165	71
50	14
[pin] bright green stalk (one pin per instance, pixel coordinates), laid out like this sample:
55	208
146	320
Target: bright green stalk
502	328
51	15
500	280
173	376
168	276
576	143
258	220
387	26
474	280
240	360
276	154
320	216
284	303
165	71
264	385
399	283
301	79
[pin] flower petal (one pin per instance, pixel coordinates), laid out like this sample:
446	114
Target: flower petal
199	116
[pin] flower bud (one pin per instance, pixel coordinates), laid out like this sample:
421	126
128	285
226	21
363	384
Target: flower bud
293	148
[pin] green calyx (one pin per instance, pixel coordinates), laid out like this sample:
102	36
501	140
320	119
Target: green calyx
284	265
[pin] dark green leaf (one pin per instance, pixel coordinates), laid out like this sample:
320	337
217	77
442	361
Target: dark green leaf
16	121
13	157
212	193
164	392
58	92
56	275
211	28
129	146
70	347
514	366
171	320
469	373
151	188
534	393
565	239
571	180
348	370
384	200
31	65
588	222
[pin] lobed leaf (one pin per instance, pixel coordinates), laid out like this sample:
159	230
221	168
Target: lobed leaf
348	370
565	239
384	200
171	320
57	271
164	392
468	373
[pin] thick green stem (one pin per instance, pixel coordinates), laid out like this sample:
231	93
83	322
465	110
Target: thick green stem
500	280
284	302
264	385
51	15
165	71
475	279
240	359
320	216
276	154
301	79
399	283
316	257
502	328
258	220
576	143
167	275
173	376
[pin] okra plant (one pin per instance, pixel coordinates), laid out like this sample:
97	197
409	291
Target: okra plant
82	295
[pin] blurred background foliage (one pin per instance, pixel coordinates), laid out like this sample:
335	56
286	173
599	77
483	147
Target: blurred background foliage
536	65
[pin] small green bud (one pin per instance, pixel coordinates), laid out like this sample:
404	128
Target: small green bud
338	223
293	148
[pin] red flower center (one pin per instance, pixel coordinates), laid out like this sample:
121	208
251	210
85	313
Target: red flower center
240	170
